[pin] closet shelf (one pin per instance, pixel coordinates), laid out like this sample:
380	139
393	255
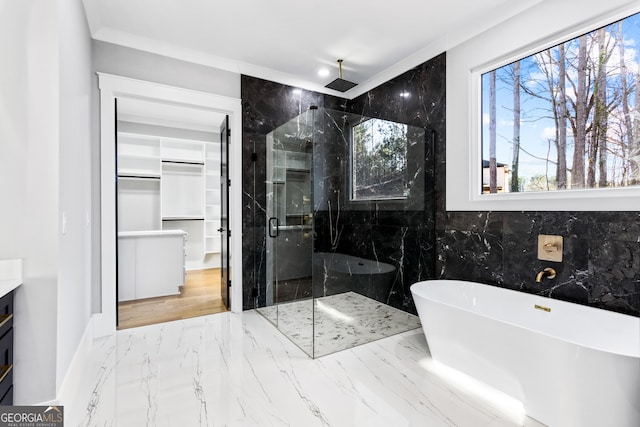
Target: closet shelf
184	162
138	176
171	184
183	218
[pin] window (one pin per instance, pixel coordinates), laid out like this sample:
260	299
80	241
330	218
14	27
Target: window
378	160
567	117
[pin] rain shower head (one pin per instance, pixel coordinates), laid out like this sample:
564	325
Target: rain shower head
340	84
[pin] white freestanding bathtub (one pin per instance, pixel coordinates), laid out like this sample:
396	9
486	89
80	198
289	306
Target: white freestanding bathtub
569	365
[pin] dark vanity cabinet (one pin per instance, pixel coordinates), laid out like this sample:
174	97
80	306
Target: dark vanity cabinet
6	349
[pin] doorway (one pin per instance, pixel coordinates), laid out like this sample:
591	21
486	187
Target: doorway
181	179
169	212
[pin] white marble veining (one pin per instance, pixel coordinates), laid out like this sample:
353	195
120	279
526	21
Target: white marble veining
238	370
328	324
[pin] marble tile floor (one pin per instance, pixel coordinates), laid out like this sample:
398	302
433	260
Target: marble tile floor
237	370
337	322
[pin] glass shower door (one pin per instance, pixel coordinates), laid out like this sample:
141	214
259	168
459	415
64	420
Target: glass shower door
289	234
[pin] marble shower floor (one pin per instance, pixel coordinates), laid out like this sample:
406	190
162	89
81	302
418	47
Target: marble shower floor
337	322
237	370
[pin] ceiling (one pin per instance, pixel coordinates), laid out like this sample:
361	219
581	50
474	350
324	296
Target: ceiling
290	41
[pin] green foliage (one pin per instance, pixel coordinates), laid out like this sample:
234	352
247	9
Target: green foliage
379	160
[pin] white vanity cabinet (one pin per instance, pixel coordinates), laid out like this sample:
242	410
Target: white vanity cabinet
150	263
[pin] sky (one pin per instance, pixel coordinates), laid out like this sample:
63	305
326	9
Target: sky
537	132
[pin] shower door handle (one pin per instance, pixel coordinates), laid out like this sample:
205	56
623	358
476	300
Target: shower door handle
273	229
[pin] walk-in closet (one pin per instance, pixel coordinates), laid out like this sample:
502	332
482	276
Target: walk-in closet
168	212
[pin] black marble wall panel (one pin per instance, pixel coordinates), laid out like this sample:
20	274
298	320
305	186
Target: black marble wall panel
601	265
387	239
401	234
601	256
265	106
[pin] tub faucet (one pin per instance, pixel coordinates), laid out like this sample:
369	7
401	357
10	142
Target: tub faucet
547	272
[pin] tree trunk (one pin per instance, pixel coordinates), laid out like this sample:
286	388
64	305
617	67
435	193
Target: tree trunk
577	176
493	187
601	109
516	128
561	169
628	142
636	129
634	149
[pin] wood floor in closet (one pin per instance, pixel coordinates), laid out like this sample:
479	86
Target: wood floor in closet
199	296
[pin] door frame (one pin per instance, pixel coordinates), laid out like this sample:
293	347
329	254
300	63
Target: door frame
111	87
225	238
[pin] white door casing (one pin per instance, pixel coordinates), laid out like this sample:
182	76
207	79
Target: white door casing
112	87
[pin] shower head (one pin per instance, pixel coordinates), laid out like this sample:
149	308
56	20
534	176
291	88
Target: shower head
340	84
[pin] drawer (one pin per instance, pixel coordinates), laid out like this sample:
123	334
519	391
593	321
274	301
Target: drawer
7	399
6	303
6	313
6	385
6	349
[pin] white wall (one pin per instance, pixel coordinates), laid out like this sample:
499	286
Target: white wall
541	26
75	139
29	185
137	64
45	134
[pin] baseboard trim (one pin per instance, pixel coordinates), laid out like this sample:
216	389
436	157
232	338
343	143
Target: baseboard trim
74	374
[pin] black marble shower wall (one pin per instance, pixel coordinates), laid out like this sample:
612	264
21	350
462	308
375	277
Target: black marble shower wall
265	106
601	266
401	234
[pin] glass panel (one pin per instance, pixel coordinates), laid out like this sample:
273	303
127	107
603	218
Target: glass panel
353	279
289	234
323	291
378	160
565	118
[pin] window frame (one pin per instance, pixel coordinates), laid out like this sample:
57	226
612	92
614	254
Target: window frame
351	188
485	143
464	144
